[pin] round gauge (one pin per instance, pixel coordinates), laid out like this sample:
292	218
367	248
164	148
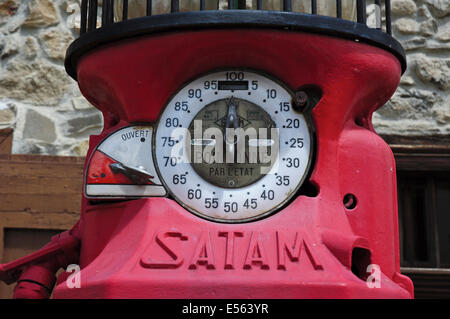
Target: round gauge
230	147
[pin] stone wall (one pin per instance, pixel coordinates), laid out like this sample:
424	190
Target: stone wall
37	97
50	116
421	105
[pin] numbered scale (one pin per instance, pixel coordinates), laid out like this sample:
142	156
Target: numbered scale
232	177
229	146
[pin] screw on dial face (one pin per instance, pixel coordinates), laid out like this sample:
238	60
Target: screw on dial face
237	137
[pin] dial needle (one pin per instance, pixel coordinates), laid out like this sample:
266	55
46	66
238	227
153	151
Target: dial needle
232	117
232	122
137	174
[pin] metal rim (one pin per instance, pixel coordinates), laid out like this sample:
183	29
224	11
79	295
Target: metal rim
274	210
227	19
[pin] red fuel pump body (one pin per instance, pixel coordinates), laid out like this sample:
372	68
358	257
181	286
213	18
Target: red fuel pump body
315	247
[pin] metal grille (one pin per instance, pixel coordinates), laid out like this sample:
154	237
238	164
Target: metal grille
113	11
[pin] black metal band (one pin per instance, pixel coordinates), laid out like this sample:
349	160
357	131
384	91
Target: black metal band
225	19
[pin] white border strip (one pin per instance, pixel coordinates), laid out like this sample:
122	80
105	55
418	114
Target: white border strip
124	190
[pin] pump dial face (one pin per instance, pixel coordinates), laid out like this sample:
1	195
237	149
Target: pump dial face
230	147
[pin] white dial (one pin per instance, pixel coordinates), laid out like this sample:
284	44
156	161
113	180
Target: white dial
230	147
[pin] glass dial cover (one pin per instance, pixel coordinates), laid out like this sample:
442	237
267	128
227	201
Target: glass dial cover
230	147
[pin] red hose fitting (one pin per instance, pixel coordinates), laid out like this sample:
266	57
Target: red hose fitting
30	290
37	281
35	273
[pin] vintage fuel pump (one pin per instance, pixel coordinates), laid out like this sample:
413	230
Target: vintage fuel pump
237	159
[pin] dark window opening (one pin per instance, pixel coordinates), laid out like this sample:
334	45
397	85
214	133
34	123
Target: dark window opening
424	213
423	179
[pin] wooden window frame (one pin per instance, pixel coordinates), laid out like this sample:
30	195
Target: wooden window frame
429	154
